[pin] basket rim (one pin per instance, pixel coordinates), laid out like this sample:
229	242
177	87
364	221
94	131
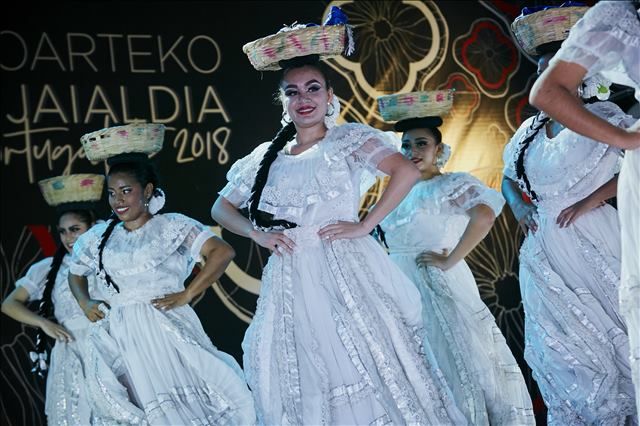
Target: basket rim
265	62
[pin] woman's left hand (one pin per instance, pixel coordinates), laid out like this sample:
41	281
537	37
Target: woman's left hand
173	300
572	213
431	258
342	230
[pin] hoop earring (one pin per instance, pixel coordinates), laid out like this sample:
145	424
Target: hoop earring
333	109
285	117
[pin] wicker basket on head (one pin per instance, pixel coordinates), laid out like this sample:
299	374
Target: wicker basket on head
402	106
144	138
72	188
323	40
545	26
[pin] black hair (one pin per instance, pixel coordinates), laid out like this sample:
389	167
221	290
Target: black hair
550	47
45	307
379	234
143	171
538	123
284	135
430	123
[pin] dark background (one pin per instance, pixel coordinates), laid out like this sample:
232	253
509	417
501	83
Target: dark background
492	86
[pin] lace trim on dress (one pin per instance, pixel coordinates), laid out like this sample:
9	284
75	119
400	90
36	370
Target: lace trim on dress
344	147
454	192
184	395
605	38
596	349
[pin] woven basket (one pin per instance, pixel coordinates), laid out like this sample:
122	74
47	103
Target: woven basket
545	26
415	105
145	138
72	188
323	40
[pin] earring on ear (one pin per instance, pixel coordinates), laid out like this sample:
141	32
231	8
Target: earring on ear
330	109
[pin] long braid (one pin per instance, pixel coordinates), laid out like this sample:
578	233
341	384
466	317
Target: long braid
45	308
103	242
537	124
258	217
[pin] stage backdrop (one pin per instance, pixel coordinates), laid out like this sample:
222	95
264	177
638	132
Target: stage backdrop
69	68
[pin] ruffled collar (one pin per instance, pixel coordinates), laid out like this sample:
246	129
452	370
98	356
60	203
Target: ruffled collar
143	249
427	196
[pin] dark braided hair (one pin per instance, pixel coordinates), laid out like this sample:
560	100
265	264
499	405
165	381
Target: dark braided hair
143	171
103	242
538	123
284	135
260	218
45	307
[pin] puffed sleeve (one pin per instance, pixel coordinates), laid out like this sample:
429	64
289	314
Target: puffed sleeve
511	150
466	192
85	250
241	176
196	235
607	36
35	279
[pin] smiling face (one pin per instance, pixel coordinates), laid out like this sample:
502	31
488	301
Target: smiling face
422	148
305	96
127	198
70	227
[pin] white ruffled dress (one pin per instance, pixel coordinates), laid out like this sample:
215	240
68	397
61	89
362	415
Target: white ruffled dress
470	349
576	342
337	336
607	41
147	366
66	398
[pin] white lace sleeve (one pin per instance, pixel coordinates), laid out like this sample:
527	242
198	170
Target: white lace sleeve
361	145
35	278
371	153
241	176
85	250
197	235
468	192
605	36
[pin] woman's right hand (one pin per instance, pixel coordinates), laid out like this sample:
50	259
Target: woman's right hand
525	215
92	309
56	331
275	241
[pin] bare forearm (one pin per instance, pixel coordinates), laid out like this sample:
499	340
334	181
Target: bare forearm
216	262
554	93
480	223
79	288
398	187
21	313
512	194
228	216
605	192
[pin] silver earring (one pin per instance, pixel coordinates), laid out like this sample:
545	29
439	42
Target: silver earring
330	113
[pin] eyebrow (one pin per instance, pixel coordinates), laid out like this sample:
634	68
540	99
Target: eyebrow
120	187
306	84
419	138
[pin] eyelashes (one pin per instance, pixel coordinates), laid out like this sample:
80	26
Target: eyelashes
310	89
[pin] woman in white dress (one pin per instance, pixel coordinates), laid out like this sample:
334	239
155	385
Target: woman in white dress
430	232
149	359
607	41
59	315
576	342
336	338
